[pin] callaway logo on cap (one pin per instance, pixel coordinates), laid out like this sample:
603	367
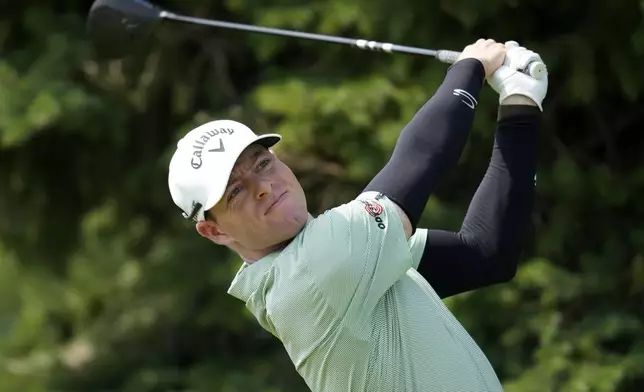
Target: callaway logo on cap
202	163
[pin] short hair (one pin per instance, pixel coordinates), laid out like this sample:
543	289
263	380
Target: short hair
209	216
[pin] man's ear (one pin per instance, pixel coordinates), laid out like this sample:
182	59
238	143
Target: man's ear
213	232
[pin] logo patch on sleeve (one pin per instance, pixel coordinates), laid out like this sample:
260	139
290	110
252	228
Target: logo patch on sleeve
375	210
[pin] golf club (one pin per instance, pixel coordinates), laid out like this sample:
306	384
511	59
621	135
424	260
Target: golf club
116	27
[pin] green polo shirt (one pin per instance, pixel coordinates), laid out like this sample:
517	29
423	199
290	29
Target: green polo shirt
347	303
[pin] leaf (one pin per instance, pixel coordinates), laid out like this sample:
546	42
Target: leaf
637	274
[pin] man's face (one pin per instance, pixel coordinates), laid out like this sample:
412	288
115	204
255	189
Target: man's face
263	206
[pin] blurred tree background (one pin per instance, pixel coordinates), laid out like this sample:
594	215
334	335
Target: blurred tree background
104	287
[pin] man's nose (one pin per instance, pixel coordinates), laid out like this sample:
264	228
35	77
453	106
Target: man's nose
263	188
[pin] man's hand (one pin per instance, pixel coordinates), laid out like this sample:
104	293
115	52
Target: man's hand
489	52
515	87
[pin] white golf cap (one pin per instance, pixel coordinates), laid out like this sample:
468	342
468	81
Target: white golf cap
202	163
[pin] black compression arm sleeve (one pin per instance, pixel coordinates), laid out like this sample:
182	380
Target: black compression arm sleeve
487	248
432	142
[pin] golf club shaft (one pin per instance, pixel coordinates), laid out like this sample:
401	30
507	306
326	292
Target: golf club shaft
535	69
446	56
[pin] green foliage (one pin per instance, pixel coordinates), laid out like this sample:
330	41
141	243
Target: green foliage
103	287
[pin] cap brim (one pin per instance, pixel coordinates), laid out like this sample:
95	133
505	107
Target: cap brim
267	140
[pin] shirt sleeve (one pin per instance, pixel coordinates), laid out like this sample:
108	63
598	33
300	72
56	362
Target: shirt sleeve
356	252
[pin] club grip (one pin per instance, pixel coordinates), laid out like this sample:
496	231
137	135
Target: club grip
535	69
447	56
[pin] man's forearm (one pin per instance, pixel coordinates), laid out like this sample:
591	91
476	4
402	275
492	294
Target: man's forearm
487	248
432	142
500	210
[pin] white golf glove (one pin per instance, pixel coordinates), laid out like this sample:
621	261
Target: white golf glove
508	80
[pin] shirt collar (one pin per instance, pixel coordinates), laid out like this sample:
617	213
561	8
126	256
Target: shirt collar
250	276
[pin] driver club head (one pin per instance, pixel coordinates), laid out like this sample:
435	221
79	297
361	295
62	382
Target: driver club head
117	27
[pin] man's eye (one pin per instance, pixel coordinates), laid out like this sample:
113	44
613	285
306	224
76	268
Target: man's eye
234	192
264	163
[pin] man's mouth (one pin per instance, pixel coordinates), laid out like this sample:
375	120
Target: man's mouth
277	202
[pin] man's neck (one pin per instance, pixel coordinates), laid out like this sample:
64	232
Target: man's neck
251	256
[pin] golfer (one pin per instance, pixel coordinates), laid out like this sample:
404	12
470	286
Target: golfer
354	294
